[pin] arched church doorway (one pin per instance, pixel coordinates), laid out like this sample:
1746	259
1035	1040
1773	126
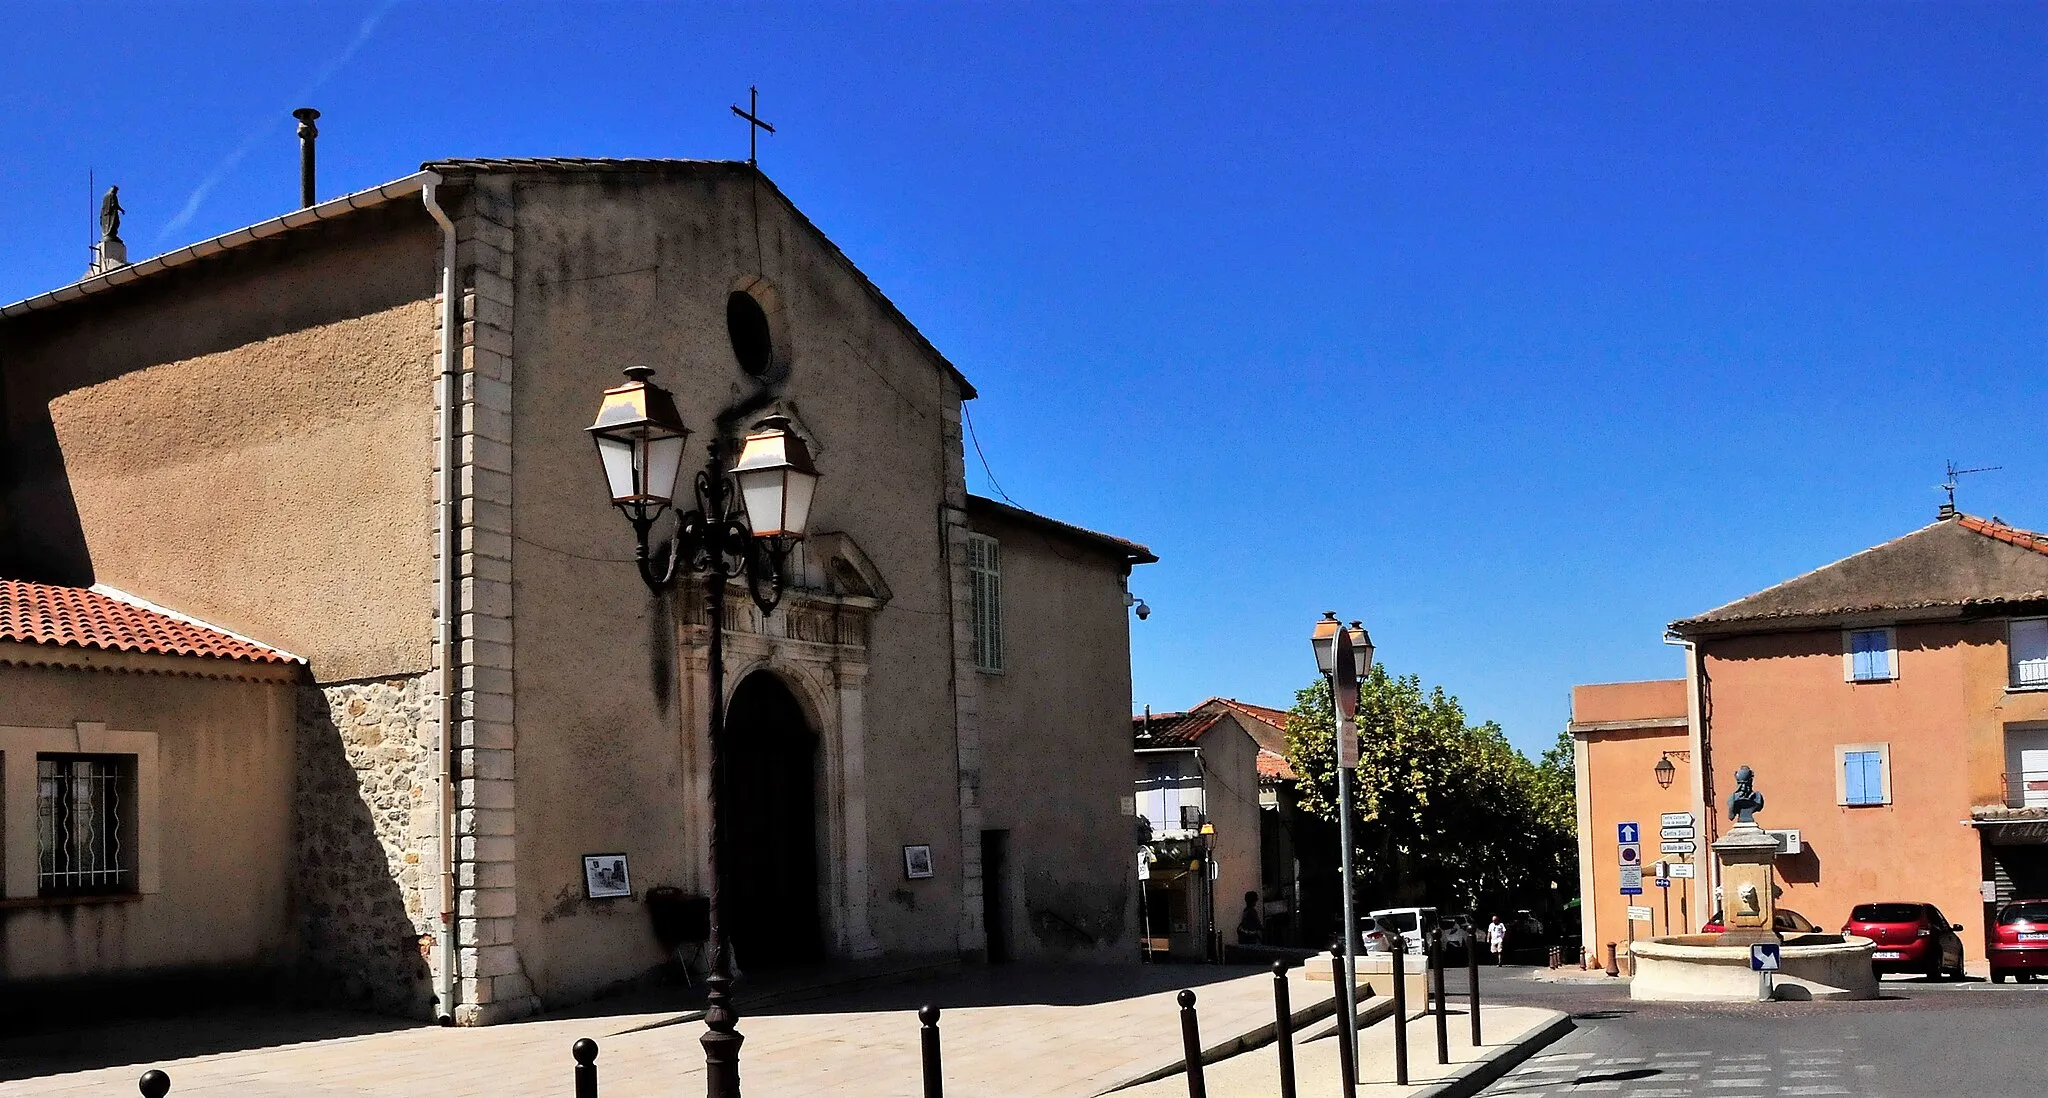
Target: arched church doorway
768	870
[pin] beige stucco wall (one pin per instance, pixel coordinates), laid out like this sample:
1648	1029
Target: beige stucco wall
609	742
218	895
1780	706
1056	747
250	443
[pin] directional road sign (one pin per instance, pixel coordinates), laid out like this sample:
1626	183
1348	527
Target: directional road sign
1663	882
1670	832
1675	819
1677	846
1763	956
1681	869
1629	833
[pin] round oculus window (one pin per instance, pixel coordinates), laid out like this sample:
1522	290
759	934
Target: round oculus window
747	325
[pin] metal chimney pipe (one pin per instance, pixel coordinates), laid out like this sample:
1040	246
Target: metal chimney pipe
307	133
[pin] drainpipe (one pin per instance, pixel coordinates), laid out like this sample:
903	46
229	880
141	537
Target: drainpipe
446	651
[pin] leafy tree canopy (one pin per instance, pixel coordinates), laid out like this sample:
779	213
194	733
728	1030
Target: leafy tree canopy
1446	811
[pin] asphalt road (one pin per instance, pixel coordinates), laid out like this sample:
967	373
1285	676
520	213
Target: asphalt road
1921	1040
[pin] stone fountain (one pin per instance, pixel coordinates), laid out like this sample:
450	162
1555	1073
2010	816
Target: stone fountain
1715	967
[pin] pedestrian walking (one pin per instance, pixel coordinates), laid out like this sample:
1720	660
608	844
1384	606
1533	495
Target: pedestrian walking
1497	939
1251	924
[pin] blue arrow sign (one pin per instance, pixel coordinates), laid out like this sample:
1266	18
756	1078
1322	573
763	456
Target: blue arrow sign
1630	833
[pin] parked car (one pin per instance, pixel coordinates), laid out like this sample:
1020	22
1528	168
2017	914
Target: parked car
1784	921
1910	937
1411	923
2018	945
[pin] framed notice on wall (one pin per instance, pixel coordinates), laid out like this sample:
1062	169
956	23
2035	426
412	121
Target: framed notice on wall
917	862
605	877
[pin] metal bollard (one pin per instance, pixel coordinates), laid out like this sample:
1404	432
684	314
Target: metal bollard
154	1084
934	1082
1472	974
1400	951
585	1053
1191	1046
1283	1029
1347	1029
1436	971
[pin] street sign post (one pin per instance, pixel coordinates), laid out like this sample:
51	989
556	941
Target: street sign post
1675	832
1763	957
1628	833
1631	880
1638	914
1677	846
1675	819
1664	882
1681	869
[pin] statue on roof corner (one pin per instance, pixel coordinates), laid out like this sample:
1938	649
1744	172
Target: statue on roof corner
1745	802
110	214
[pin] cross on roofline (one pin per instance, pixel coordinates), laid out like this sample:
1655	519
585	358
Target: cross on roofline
754	123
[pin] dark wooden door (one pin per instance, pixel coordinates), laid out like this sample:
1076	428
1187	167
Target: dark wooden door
768	903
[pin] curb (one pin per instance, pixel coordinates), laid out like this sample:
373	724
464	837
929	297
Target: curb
1480	1074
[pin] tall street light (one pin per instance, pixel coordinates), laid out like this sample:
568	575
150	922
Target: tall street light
1345	657
745	521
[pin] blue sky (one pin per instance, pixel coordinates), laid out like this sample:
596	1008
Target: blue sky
1517	330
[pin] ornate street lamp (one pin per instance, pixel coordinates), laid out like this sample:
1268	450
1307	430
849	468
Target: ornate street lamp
1344	656
744	523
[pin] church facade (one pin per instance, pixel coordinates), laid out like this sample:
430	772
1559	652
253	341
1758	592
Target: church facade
355	433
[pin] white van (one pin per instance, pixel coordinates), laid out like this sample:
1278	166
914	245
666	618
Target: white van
1411	923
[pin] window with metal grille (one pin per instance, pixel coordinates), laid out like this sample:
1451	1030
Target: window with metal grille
985	588
85	824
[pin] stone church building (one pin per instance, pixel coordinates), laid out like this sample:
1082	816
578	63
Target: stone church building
412	680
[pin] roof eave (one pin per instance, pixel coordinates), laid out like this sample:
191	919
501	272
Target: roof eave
192	253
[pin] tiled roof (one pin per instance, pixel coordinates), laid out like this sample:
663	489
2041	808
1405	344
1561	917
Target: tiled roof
1952	565
1267	726
1131	551
2011	535
1273	765
1171	729
103	618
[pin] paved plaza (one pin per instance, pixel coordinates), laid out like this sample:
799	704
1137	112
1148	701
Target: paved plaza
1015	1032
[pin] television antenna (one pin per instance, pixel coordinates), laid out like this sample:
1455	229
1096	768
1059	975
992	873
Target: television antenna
1949	485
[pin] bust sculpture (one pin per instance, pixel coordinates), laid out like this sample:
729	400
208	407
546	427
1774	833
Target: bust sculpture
1745	802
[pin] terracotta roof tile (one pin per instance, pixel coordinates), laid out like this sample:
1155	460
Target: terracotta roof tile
1267	726
1274	765
103	618
2011	535
1171	729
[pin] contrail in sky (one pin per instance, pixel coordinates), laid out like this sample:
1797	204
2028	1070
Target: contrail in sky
227	166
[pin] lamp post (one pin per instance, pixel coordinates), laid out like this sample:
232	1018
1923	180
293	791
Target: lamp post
744	523
1345	657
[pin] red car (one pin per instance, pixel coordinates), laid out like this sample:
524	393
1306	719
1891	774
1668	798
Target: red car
2019	943
1910	938
1785	921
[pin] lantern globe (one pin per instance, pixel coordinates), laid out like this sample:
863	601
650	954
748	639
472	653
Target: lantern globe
777	480
640	440
1665	772
1361	650
1324	638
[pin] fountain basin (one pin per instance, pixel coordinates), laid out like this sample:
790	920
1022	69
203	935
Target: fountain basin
1696	968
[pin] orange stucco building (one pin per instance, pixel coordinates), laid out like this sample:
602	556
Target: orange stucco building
1894	705
1622	732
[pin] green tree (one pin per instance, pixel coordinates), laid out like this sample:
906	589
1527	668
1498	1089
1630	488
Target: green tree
1447	812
